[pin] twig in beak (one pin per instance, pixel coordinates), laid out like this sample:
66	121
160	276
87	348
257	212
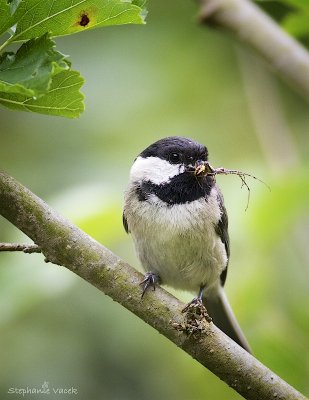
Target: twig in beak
200	169
242	175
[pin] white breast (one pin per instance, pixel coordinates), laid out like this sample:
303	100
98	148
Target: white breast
178	242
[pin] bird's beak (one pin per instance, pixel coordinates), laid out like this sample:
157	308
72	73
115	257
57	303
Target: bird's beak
200	168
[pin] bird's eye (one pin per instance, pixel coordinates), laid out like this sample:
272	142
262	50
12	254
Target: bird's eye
203	157
174	158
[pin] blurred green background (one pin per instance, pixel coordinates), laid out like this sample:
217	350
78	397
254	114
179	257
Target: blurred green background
169	77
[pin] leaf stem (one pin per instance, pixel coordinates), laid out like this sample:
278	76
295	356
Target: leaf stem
6	43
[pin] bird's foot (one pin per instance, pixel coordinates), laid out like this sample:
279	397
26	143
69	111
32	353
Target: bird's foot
150	280
196	302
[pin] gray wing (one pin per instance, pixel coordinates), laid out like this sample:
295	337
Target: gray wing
222	230
125	223
216	303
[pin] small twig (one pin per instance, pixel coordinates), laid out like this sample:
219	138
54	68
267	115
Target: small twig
26	248
206	169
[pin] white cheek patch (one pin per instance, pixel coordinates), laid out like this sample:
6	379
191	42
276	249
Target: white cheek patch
155	170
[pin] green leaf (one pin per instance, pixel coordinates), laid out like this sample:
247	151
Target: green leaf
302	4
139	3
297	24
296	21
29	71
14	4
35	17
142	5
294	3
6	20
63	98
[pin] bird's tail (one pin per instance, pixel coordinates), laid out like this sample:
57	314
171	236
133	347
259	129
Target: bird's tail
223	317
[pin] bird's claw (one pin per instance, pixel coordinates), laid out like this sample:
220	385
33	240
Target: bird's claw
197	301
150	279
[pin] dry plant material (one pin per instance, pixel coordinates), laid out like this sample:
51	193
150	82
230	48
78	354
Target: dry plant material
206	169
196	320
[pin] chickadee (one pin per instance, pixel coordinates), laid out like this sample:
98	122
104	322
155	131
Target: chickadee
175	213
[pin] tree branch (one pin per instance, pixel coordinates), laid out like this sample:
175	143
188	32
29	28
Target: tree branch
64	244
26	248
252	26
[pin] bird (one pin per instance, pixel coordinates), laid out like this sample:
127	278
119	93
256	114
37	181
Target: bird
175	213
